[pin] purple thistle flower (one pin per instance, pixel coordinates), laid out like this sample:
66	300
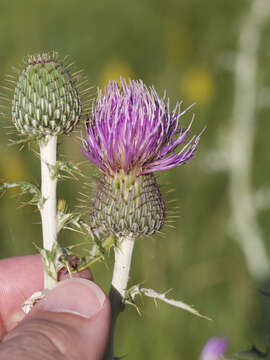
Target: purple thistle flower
214	349
131	134
132	129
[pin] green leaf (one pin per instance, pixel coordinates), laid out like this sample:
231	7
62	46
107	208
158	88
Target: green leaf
24	140
66	220
26	188
65	169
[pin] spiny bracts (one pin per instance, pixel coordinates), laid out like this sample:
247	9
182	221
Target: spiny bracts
127	204
46	100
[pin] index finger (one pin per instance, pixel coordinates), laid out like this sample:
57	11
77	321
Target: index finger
20	277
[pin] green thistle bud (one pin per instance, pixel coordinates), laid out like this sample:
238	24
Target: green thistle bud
46	100
127	204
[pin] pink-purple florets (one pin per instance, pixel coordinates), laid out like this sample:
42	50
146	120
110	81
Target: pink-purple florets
131	129
214	349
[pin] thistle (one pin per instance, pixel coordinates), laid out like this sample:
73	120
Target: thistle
47	103
46	100
130	135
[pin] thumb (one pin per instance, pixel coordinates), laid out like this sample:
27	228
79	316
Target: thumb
71	322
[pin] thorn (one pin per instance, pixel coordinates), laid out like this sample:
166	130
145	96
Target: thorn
76	73
69	66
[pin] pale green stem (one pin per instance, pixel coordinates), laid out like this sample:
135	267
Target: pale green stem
122	262
48	148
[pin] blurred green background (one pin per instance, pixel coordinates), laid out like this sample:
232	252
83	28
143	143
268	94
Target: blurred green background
212	52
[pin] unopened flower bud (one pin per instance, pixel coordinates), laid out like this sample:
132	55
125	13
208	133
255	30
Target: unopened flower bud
46	100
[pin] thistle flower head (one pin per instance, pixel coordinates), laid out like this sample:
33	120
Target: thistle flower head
45	100
133	130
131	134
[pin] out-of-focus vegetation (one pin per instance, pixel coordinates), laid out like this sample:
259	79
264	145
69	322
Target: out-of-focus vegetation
189	48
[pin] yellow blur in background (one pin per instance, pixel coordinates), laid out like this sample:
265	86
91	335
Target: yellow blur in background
198	85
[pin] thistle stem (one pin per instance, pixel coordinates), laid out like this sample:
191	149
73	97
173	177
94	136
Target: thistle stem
122	262
48	209
243	126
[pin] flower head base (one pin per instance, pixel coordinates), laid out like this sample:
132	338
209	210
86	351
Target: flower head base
45	101
126	204
133	130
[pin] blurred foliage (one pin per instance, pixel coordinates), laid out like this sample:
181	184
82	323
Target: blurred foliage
186	47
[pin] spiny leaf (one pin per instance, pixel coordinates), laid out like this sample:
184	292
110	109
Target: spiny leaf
65	169
26	188
137	290
68	221
65	219
83	261
24	140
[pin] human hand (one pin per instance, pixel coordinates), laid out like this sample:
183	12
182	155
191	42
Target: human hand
71	322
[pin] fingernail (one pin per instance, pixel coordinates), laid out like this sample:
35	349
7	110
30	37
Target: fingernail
77	296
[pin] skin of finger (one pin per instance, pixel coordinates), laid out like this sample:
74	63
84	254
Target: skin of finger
2	329
50	335
20	277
